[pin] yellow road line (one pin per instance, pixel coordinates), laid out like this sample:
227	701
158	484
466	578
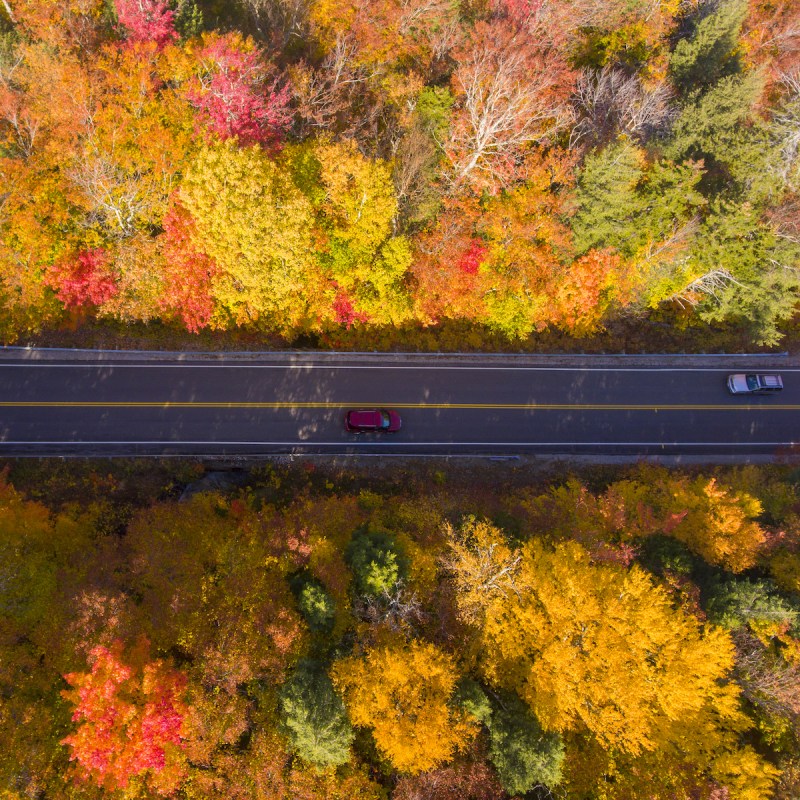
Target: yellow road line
437	406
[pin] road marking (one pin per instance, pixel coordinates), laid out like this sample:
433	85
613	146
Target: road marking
367	443
342	405
438	368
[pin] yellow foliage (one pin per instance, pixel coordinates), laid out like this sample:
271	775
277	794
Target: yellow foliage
718	524
601	647
482	566
256	224
785	568
401	691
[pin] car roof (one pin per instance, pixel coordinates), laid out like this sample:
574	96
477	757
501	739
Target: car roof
365	417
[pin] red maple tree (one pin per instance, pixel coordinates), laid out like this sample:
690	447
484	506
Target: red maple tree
83	280
234	97
472	257
345	312
189	272
130	718
147	21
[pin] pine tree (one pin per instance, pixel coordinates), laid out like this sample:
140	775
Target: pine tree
314	717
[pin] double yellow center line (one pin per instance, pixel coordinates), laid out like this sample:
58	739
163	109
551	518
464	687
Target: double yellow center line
166	404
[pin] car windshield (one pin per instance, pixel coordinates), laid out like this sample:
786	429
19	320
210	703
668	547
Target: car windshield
752	382
386	420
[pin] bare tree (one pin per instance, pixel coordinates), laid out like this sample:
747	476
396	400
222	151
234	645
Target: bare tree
335	96
707	285
279	21
436	21
117	198
481	565
610	100
397	610
786	130
766	679
508	95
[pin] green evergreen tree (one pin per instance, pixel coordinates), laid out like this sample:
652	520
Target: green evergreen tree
718	126
316	605
712	50
523	754
189	19
314	717
377	562
626	204
607	201
739	602
759	282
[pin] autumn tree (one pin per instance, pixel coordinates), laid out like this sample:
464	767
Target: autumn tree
482	565
45	563
234	93
716	523
356	206
147	20
402	693
86	279
244	624
575	633
188	272
255	224
508	94
130	713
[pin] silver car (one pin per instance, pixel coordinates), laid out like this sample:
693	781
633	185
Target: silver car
754	384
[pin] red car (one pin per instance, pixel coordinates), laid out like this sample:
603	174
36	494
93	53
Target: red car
372	420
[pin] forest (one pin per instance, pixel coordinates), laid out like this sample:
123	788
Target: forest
300	167
621	633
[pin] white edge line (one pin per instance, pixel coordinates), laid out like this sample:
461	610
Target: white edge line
388	367
410	444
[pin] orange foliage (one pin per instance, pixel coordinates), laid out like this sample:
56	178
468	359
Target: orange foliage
131	719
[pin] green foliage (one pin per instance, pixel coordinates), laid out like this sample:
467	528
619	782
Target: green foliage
433	109
316	605
189	19
737	602
608	205
713	50
764	285
314	717
377	561
718	126
623	202
661	554
523	754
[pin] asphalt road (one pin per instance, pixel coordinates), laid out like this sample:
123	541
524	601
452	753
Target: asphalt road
255	408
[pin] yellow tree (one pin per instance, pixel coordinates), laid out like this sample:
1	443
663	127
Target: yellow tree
600	648
714	521
357	205
256	225
402	692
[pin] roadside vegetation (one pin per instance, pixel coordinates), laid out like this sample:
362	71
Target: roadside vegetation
386	173
435	633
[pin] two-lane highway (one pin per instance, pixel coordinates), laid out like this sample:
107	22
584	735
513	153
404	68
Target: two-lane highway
297	406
